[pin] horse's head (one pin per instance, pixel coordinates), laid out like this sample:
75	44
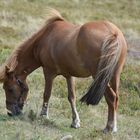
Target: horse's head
16	91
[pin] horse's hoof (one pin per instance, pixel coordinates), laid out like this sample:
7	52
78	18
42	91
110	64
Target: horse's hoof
73	125
107	130
44	115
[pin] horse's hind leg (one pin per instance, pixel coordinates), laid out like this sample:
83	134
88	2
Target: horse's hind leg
111	96
72	100
47	93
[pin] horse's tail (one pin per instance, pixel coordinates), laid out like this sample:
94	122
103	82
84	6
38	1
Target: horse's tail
110	52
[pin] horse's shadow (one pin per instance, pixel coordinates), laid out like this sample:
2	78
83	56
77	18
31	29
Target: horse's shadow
27	118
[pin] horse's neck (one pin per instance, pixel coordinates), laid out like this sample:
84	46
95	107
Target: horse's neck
27	59
26	63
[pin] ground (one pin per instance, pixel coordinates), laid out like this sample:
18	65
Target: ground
18	20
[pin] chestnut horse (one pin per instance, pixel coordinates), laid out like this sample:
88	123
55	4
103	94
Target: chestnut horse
96	49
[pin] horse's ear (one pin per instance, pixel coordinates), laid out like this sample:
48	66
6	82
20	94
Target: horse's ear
7	69
8	74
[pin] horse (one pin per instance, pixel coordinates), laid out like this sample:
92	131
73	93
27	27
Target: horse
96	49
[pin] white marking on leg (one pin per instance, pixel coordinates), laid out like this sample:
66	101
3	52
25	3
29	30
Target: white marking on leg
76	119
45	110
115	122
111	124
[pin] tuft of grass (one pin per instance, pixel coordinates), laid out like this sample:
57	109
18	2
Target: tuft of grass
32	115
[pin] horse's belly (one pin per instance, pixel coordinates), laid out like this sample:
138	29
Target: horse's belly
73	68
79	72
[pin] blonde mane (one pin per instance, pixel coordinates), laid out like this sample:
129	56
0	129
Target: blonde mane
11	63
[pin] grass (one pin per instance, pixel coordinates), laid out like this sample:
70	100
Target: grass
18	20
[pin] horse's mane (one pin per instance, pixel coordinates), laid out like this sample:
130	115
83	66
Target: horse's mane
11	63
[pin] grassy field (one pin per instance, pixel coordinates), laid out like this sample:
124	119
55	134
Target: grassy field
21	18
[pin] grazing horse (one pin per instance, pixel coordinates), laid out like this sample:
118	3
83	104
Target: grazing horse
96	49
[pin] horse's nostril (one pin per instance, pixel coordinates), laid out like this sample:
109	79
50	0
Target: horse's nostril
15	110
19	113
20	106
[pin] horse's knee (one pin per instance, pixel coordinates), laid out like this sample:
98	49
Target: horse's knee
113	98
71	98
110	96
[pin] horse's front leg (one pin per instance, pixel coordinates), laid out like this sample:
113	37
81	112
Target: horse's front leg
47	93
72	100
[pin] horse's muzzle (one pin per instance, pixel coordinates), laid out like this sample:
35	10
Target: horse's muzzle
14	110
